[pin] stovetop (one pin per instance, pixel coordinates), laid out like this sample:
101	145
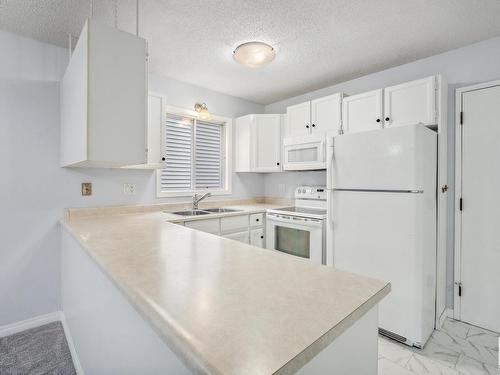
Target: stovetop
303	210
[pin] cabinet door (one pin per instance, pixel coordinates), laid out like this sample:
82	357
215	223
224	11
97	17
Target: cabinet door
156	129
362	112
267	143
240	236
233	223
242	137
205	225
299	119
325	114
411	103
257	237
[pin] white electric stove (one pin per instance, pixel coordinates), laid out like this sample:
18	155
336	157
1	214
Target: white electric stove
300	230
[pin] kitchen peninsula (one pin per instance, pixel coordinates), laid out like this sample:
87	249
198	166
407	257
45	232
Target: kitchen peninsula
143	295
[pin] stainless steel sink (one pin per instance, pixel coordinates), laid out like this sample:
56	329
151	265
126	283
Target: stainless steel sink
191	213
220	210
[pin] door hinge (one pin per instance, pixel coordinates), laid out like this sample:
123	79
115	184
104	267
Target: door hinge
461	204
461	118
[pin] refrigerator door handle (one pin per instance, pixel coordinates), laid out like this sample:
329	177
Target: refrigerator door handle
382	191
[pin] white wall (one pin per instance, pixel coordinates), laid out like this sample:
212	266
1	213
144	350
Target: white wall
34	190
472	64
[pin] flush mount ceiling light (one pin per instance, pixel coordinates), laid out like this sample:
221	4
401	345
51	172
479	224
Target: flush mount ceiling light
254	54
202	110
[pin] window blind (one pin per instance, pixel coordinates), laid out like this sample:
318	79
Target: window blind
179	144
194	155
208	156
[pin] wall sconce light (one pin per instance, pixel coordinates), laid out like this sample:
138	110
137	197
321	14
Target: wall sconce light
202	110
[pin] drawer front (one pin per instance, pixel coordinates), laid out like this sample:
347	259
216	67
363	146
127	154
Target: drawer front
256	220
257	237
240	236
232	223
208	225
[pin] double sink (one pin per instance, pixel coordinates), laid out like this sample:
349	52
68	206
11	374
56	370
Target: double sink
207	211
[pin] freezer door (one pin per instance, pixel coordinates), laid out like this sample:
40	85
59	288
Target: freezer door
401	158
391	237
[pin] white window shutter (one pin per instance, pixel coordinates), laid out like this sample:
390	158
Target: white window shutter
177	175
208	156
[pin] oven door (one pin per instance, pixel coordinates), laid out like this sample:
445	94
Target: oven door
303	153
302	237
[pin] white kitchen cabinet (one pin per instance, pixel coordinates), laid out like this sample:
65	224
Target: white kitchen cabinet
239	236
326	114
205	225
318	116
156	151
258	143
232	223
247	228
411	103
362	112
299	119
256	220
257	237
104	100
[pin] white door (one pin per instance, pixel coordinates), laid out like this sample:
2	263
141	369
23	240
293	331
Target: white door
156	129
362	112
240	236
267	143
480	234
411	103
299	119
325	114
257	237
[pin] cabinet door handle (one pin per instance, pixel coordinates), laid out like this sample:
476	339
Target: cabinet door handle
313	125
163	159
277	163
378	120
307	126
261	236
387	119
256	219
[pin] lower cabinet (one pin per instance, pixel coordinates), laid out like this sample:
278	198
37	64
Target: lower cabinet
239	236
247	228
257	237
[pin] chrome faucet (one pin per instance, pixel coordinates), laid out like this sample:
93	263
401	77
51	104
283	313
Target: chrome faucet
197	200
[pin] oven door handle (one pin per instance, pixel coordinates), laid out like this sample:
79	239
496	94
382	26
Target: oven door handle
294	220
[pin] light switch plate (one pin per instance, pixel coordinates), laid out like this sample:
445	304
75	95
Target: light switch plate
86	189
129	189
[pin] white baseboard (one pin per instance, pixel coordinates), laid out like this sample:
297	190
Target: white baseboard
37	321
447	313
23	325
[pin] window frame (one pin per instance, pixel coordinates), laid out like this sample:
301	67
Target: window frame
227	125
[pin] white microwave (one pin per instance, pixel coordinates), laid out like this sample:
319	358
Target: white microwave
304	153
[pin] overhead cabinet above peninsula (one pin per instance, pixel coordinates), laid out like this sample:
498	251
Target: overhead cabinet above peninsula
104	100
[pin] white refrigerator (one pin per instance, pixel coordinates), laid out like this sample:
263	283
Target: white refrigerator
382	221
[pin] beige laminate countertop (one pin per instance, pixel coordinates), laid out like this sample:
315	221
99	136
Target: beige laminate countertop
222	306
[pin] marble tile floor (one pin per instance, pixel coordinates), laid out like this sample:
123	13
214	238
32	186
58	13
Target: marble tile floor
456	349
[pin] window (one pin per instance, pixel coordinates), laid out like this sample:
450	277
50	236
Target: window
196	155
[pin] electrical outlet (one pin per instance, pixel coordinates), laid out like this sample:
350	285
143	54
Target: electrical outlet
129	189
86	189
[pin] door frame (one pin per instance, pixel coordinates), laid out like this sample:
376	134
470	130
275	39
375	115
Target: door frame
458	190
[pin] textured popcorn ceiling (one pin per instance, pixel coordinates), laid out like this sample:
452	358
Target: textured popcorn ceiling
318	42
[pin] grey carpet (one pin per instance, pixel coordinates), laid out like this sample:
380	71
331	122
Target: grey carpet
40	350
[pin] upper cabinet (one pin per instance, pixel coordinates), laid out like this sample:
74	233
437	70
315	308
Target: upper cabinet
257	145
411	103
362	112
104	100
315	117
